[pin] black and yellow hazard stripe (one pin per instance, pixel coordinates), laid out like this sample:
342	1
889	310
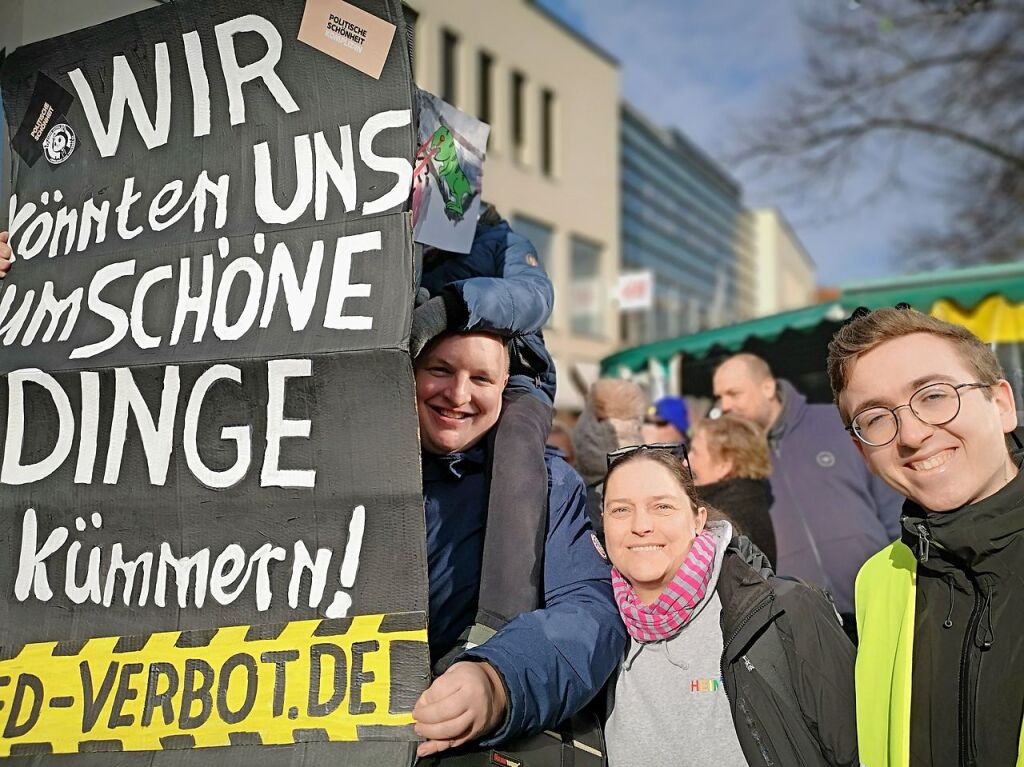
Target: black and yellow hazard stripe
348	679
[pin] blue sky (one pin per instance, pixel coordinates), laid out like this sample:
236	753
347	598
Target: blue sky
709	66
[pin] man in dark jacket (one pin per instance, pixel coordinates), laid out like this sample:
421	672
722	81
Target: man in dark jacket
829	513
940	670
545	664
500	287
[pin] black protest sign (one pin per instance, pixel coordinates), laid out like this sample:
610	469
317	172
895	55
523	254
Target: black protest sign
212	530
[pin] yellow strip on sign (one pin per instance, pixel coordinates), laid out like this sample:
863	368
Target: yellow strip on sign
316	680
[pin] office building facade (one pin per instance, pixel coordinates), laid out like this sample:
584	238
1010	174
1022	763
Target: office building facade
682	219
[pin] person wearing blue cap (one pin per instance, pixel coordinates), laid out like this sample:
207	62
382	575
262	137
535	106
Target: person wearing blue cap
666	421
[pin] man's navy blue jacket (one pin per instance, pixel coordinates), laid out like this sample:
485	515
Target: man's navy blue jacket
830	513
499	287
552	660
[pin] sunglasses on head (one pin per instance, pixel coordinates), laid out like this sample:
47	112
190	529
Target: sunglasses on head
678	449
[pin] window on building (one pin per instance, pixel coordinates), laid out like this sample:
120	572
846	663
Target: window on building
484	75
449	66
587	300
518	107
541	236
547	132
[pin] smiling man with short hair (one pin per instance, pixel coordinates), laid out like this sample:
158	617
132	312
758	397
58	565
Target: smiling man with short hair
544	664
940	668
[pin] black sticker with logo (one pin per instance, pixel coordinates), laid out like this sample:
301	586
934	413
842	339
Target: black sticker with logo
49	103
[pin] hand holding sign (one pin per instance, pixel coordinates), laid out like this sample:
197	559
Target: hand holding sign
5	254
465	702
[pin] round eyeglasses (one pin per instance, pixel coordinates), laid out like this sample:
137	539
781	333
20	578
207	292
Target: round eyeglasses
935	404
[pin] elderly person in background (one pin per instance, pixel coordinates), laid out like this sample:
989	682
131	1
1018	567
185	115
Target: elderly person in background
666	421
612	418
731	465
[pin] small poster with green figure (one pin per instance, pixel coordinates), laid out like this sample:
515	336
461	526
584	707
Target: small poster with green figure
448	175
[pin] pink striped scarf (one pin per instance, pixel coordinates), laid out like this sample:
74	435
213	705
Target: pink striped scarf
674	608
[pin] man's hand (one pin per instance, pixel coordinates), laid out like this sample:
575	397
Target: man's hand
466	702
5	254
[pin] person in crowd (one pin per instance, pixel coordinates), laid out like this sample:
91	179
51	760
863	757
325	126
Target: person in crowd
666	421
500	287
612	417
829	512
731	465
726	664
940	669
542	665
561	439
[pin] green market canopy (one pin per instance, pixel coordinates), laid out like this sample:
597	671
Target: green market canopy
989	300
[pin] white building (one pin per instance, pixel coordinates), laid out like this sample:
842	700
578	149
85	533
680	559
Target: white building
785	273
552	100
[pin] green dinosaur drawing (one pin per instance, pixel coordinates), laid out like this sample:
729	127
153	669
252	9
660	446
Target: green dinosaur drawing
454	185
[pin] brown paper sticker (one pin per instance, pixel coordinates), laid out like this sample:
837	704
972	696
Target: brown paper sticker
349	34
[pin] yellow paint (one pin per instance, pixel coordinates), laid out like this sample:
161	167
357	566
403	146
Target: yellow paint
65	730
993	320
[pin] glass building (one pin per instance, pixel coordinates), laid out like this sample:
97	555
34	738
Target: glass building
682	219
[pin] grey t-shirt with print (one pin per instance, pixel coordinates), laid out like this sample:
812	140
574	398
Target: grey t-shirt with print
668	703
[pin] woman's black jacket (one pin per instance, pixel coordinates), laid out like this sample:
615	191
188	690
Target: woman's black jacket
787	666
746	503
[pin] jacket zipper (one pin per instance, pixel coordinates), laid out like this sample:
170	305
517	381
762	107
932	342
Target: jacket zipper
966	693
755	734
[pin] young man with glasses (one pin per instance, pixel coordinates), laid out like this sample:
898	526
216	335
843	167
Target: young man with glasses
940	669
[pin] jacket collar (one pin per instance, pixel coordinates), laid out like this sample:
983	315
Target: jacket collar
453	465
794	407
747	598
969	536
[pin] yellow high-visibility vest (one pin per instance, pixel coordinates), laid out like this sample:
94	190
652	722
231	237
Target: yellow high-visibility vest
886	593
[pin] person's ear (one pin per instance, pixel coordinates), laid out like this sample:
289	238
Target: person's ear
700	520
1002	395
769	387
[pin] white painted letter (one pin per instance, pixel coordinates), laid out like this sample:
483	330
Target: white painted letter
14	472
266	206
279	427
342	288
237	434
236	76
115	315
157	441
124	89
400	166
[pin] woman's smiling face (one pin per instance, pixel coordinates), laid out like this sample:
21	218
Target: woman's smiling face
650	524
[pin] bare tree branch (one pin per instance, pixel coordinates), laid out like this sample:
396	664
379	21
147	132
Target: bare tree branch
939	78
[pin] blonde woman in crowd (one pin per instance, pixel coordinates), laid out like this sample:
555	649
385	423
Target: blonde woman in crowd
731	465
